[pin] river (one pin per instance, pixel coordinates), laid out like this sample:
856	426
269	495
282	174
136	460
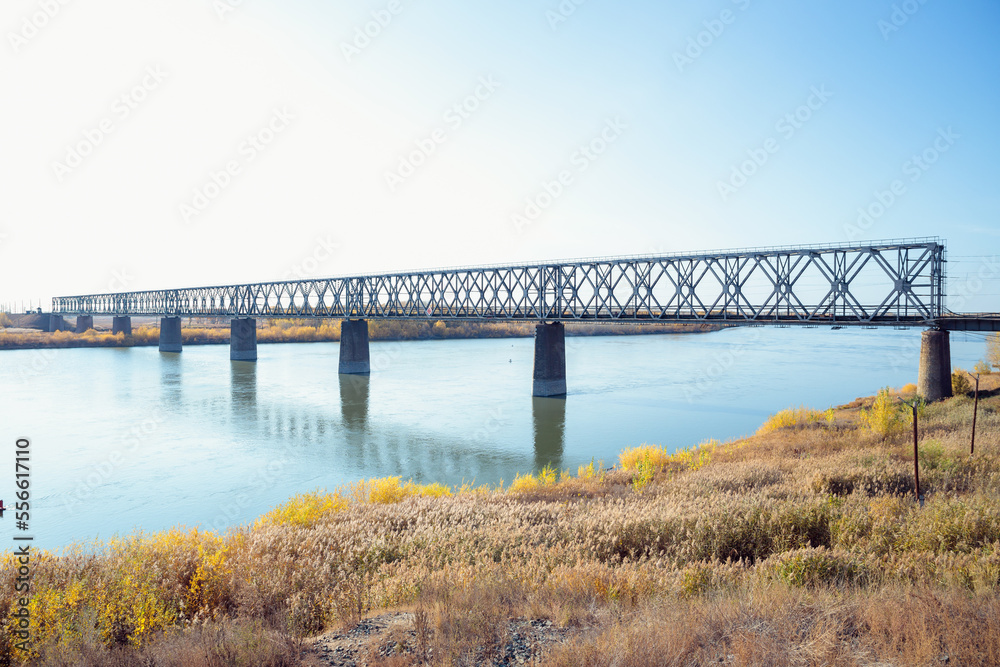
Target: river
126	439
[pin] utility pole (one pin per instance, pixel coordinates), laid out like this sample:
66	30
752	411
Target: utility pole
975	411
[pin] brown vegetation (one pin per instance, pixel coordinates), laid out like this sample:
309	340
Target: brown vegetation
799	545
313	331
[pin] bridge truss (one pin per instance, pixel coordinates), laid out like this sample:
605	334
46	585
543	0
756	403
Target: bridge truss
875	283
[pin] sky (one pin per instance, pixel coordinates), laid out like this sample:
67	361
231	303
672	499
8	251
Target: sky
179	143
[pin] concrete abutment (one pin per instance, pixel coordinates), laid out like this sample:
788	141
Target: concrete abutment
550	360
121	324
170	334
83	323
243	339
354	356
934	378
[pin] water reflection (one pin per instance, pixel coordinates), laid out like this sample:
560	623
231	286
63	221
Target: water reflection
354	391
243	386
170	379
549	417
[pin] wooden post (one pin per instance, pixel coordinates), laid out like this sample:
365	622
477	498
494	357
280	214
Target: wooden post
975	410
916	459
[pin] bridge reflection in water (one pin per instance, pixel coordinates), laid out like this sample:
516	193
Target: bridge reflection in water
356	444
354	390
549	419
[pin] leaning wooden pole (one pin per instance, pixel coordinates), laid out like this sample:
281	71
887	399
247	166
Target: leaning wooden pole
916	459
975	411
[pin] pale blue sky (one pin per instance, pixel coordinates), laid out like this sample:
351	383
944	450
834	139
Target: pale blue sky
676	119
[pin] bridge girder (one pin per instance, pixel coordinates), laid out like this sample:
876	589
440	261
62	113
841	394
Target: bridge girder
883	283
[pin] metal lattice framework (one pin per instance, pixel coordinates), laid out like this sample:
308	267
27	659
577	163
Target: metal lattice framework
883	283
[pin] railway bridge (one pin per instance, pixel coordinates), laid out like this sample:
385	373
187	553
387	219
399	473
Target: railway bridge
870	284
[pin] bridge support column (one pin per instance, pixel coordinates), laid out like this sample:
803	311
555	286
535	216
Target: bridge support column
243	339
55	323
934	378
354	358
121	324
550	360
84	322
170	334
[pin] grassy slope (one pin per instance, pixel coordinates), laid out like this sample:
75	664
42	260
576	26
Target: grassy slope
799	545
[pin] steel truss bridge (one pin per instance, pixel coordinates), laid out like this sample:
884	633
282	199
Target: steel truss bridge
878	283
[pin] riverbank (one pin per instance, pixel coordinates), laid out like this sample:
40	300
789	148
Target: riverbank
309	331
799	544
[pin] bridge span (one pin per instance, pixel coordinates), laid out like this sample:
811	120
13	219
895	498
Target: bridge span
873	284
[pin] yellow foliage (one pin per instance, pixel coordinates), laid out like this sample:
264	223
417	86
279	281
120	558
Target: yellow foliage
588	471
308	509
546	477
305	509
645	455
790	417
523	483
207	590
885	417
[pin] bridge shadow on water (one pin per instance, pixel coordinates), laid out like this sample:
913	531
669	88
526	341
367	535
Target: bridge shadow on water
357	443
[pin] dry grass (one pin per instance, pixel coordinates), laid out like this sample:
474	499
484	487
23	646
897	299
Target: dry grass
799	545
324	330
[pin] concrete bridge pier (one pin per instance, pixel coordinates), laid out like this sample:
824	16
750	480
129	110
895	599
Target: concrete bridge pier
934	378
84	322
121	324
243	339
550	360
170	334
354	357
55	323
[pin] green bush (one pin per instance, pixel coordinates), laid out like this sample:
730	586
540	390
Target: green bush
960	385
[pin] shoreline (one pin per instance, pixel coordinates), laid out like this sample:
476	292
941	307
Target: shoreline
803	534
145	336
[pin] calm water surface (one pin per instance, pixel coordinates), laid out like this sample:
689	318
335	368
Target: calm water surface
131	438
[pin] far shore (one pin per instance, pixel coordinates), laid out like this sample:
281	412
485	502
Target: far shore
23	336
